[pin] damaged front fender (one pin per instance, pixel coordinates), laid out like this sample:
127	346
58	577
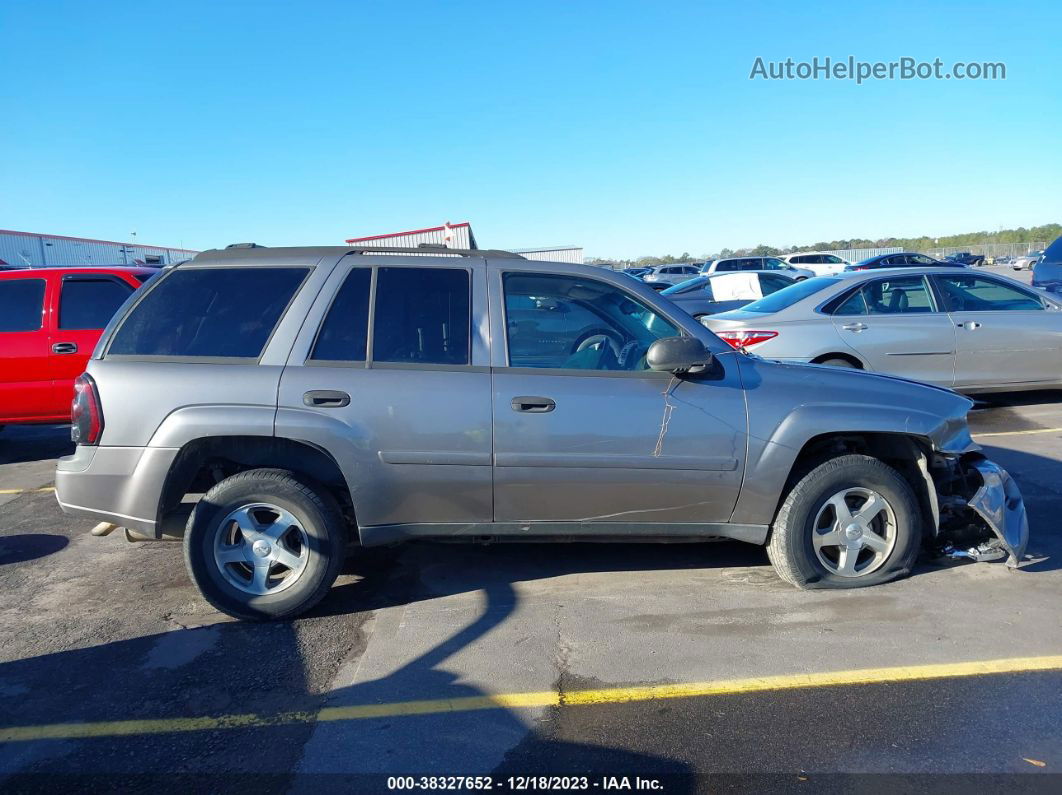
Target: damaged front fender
998	502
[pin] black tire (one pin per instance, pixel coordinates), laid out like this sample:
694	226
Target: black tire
317	514
839	362
790	546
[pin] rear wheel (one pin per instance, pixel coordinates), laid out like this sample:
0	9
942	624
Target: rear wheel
839	362
850	522
264	545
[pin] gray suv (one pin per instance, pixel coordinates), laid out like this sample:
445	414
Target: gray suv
279	408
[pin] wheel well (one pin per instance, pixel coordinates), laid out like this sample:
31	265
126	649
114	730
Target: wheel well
203	462
846	356
897	450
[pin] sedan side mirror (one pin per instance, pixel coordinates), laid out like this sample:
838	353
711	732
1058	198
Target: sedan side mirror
677	355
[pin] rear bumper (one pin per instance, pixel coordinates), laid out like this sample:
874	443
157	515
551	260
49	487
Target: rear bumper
122	485
998	501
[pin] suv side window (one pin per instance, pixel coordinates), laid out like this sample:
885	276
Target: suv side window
905	295
963	293
422	316
773	264
726	265
345	331
90	303
21	304
830	259
208	312
578	324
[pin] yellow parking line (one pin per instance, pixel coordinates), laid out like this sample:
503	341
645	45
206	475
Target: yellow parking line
28	491
1019	433
547	698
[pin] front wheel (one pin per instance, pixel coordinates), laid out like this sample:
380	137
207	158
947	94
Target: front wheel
850	522
264	545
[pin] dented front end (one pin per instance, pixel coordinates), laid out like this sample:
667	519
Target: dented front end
981	512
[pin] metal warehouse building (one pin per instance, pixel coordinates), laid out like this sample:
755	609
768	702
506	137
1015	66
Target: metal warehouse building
460	236
29	249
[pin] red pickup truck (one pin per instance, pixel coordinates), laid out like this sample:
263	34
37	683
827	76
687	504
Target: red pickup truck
50	320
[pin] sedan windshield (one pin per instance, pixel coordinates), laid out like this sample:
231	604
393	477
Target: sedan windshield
787	296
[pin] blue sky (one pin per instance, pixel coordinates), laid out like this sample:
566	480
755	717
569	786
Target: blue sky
629	127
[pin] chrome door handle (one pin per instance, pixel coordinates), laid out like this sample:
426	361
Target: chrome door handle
533	405
970	325
64	347
854	326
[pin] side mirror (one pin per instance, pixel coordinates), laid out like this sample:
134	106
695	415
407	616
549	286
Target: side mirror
677	354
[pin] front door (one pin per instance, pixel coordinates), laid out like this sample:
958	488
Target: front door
895	326
1005	334
585	434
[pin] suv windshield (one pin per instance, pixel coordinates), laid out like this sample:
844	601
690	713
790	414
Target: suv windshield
786	297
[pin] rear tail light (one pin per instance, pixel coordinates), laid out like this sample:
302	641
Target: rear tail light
86	416
746	339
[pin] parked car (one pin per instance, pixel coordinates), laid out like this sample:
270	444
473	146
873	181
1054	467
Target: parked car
661	277
950	327
366	398
820	263
966	258
731	264
904	260
1026	261
1047	272
50	320
637	273
721	292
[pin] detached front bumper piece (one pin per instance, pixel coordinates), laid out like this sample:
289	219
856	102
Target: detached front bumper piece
998	501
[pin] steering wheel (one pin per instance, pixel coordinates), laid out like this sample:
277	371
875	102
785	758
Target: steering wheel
597	339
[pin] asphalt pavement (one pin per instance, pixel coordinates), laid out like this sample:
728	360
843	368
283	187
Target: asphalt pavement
689	665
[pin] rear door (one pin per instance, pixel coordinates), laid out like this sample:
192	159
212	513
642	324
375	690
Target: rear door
391	376
86	303
895	325
1005	334
25	377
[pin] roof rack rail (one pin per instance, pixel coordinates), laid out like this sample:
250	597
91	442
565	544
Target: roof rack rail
428	248
244	245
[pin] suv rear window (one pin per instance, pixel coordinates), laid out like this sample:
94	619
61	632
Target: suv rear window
212	312
422	316
21	304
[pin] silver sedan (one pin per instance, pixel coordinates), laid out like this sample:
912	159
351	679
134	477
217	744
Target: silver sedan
973	332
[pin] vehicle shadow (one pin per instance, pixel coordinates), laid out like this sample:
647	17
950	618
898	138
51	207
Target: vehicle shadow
29	546
237	669
20	444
